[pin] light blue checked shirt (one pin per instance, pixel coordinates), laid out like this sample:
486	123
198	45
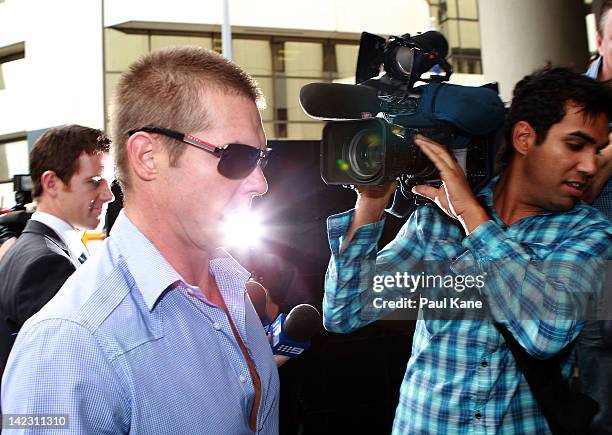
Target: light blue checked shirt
461	378
127	347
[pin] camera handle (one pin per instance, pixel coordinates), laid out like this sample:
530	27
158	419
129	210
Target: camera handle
404	202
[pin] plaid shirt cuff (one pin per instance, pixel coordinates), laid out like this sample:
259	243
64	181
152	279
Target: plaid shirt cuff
366	235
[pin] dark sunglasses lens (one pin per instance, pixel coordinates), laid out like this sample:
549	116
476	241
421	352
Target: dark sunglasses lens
238	160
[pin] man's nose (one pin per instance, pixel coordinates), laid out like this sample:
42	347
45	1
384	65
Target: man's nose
106	195
257	181
588	163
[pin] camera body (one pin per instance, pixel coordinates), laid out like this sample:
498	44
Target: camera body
372	151
370	137
22	186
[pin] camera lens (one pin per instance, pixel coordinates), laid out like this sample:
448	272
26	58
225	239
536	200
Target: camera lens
365	154
404	57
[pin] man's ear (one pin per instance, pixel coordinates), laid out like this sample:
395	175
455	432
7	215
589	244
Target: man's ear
523	137
599	39
141	149
51	183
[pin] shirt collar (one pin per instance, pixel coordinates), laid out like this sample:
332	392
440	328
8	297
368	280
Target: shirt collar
485	197
594	68
153	274
70	235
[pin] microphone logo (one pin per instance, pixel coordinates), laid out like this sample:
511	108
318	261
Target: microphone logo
284	349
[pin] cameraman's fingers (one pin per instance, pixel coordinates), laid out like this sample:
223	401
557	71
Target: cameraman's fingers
436	153
426	191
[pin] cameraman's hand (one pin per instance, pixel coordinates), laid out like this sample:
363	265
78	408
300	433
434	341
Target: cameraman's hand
454	196
370	206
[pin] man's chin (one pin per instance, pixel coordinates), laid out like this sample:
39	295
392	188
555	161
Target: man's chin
564	206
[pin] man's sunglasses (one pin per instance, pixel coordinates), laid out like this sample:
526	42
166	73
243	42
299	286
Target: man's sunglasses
236	160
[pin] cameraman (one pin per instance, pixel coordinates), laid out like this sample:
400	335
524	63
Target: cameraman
461	376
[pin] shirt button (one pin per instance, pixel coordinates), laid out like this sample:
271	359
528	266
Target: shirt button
217	326
478	415
484	363
242	378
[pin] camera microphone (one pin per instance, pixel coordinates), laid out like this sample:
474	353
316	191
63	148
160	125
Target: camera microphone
336	101
291	333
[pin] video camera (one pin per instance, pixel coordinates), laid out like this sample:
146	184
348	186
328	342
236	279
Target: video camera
22	186
371	137
13	220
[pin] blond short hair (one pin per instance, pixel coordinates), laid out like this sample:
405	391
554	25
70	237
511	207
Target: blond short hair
167	88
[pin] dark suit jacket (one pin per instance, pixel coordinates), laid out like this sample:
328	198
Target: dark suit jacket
31	273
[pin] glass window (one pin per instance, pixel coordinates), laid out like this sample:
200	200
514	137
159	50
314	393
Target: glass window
161	41
280	66
112	79
7	196
14	159
470	34
346	57
303	58
292	103
269	130
305	131
123	48
451	8
267	87
10	72
468	9
451	32
255	56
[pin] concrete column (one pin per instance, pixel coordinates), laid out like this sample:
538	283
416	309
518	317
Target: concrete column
519	36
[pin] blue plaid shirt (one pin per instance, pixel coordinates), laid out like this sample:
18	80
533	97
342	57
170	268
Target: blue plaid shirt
461	378
127	347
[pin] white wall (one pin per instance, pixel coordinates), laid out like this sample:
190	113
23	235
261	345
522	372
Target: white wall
519	36
391	16
61	79
12	118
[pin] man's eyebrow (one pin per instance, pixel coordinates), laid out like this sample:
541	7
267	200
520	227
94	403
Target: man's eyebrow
583	136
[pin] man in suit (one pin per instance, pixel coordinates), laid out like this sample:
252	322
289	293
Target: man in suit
67	166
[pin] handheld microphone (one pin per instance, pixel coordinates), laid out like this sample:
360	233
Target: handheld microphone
291	333
259	298
337	101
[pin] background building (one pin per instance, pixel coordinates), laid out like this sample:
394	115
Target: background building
60	60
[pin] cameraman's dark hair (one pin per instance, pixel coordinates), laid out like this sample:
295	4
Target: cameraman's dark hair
541	100
58	150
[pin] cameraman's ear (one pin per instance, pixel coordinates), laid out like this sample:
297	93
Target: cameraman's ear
141	154
523	137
